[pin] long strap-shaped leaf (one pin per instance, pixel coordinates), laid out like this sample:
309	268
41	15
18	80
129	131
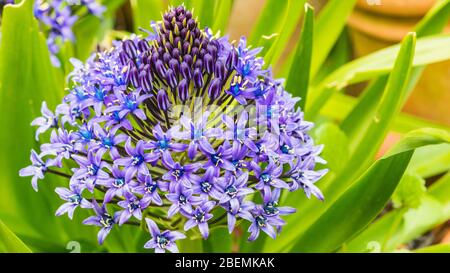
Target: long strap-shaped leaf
329	25
9	242
222	15
400	226
298	80
357	207
284	32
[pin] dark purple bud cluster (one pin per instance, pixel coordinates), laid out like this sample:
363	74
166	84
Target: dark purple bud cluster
182	57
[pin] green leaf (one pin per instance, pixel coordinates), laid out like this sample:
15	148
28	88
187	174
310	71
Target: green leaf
339	56
219	241
402	225
339	107
298	80
431	160
399	227
9	242
355	208
204	10
421	137
329	25
144	11
268	25
364	147
409	192
335	151
441	191
285	31
359	118
190	246
429	50
222	15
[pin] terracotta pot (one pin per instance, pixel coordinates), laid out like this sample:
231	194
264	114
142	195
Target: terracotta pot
373	27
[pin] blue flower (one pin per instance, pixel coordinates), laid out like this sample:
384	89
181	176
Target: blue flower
269	177
132	207
182	199
232	189
179	174
149	189
198	133
162	241
37	169
262	222
163	142
136	159
74	199
199	217
58	16
47	121
117	184
244	212
91	169
102	219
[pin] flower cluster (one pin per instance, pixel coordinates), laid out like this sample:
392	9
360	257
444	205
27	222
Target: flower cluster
181	129
59	16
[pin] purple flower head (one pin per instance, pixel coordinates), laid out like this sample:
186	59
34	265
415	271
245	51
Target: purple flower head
47	121
220	159
206	185
239	132
269	177
173	126
163	142
129	104
132	207
117	184
162	241
150	189
107	140
137	159
271	207
92	168
199	217
244	212
198	133
182	199
265	223
304	177
74	199
179	174
102	219
37	169
61	145
232	189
